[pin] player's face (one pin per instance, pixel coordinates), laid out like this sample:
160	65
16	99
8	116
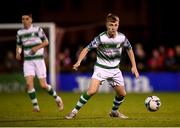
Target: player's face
112	27
27	21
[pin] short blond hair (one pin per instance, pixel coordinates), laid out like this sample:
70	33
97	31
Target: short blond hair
112	18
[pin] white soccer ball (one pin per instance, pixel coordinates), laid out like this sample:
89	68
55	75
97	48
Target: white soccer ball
152	103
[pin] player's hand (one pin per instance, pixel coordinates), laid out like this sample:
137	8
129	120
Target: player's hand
18	56
135	72
33	51
76	65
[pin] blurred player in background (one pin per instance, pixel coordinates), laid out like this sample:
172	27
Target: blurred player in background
33	40
109	46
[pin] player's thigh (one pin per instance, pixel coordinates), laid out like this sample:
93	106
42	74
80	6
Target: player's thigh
100	73
40	68
120	90
93	87
28	68
118	78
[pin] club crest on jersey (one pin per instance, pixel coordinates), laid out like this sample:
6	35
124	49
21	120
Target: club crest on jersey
33	34
118	45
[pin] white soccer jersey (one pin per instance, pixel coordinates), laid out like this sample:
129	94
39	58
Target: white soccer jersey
29	38
109	49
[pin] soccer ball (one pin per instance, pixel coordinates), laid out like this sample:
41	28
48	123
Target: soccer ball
152	103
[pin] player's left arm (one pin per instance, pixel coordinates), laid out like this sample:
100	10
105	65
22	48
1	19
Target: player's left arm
36	48
130	53
133	62
44	43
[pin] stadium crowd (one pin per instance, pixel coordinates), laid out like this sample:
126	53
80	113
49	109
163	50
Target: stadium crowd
161	58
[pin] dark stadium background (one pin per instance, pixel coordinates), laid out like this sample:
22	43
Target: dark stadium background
157	19
152	27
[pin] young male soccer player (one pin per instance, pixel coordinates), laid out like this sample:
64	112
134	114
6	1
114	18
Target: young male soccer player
33	40
109	46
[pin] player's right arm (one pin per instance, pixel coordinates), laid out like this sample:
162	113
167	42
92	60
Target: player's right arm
82	55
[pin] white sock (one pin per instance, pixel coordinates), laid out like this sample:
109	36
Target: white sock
49	87
75	110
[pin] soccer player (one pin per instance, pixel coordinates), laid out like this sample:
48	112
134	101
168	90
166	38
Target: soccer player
32	40
109	46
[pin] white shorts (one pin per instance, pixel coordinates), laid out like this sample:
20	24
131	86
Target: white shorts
35	67
113	76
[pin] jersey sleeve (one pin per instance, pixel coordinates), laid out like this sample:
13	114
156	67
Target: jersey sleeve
94	43
18	40
127	44
42	35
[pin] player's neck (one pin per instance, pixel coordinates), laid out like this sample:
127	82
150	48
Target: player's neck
27	27
111	35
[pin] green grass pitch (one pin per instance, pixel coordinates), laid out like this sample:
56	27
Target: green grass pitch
16	111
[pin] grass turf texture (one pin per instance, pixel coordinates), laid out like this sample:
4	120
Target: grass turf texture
16	110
